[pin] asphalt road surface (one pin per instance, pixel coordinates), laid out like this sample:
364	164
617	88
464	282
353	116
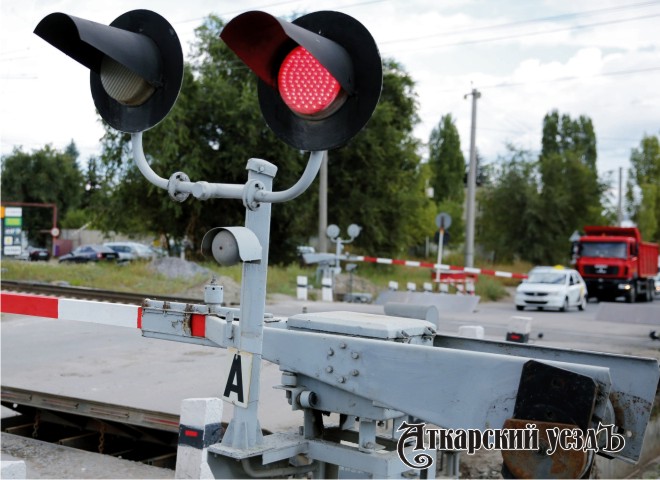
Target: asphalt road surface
606	327
117	365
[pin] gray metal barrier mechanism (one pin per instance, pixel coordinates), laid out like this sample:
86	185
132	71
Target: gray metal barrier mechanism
377	372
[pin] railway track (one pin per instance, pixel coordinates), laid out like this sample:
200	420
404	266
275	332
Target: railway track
145	436
134	434
85	293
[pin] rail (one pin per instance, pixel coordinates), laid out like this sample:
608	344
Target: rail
90	293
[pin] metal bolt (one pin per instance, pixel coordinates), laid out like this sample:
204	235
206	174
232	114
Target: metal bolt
369	445
331	352
342	345
341	379
355	373
355	355
329	369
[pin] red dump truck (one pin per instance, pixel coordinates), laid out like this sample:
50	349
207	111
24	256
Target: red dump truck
615	262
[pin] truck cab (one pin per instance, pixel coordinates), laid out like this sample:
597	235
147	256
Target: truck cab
615	262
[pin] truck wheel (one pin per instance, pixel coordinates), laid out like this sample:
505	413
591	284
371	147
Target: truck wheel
650	286
632	297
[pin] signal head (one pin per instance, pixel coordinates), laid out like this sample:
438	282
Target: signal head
354	230
135	63
320	77
332	231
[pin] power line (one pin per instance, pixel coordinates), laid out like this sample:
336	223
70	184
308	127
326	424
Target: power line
560	79
524	22
530	34
567	79
278	4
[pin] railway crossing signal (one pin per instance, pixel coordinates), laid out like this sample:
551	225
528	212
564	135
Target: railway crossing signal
320	76
319	82
135	63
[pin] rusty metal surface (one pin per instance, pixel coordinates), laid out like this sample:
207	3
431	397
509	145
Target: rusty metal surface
537	463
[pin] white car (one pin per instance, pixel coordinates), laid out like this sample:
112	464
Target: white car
552	287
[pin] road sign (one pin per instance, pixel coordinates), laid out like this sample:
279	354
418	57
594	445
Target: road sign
443	221
12	224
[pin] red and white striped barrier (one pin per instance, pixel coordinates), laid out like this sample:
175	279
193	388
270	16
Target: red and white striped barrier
104	313
436	266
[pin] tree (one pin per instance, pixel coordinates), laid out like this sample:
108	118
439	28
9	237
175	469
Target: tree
447	166
562	135
377	180
216	126
510	222
446	161
570	190
531	208
43	176
644	177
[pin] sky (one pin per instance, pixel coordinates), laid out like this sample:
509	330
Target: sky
599	58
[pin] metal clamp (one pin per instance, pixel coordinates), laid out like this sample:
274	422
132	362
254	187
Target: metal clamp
172	187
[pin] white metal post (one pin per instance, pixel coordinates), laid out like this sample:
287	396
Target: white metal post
244	430
441	241
471	186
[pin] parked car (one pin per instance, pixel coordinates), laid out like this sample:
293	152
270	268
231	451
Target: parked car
552	287
90	253
129	251
33	254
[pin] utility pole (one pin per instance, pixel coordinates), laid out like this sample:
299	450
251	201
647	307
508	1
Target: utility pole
471	184
323	204
619	210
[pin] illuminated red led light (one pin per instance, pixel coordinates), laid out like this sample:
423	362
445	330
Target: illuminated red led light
306	86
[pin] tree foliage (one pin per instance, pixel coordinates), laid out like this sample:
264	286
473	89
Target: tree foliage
532	207
644	177
377	180
46	175
510	214
216	126
446	161
447	166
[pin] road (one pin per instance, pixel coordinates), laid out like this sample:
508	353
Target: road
117	365
607	327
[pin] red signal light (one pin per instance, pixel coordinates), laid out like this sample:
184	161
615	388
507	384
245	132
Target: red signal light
307	87
316	90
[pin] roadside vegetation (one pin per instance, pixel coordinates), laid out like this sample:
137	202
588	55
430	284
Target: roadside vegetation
141	277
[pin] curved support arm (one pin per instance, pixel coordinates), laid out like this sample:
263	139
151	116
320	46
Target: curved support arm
308	176
181	187
141	162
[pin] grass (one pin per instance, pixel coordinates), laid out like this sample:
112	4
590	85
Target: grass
134	277
138	277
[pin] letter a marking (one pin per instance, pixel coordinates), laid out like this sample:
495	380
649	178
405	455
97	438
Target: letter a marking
235	380
238	371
